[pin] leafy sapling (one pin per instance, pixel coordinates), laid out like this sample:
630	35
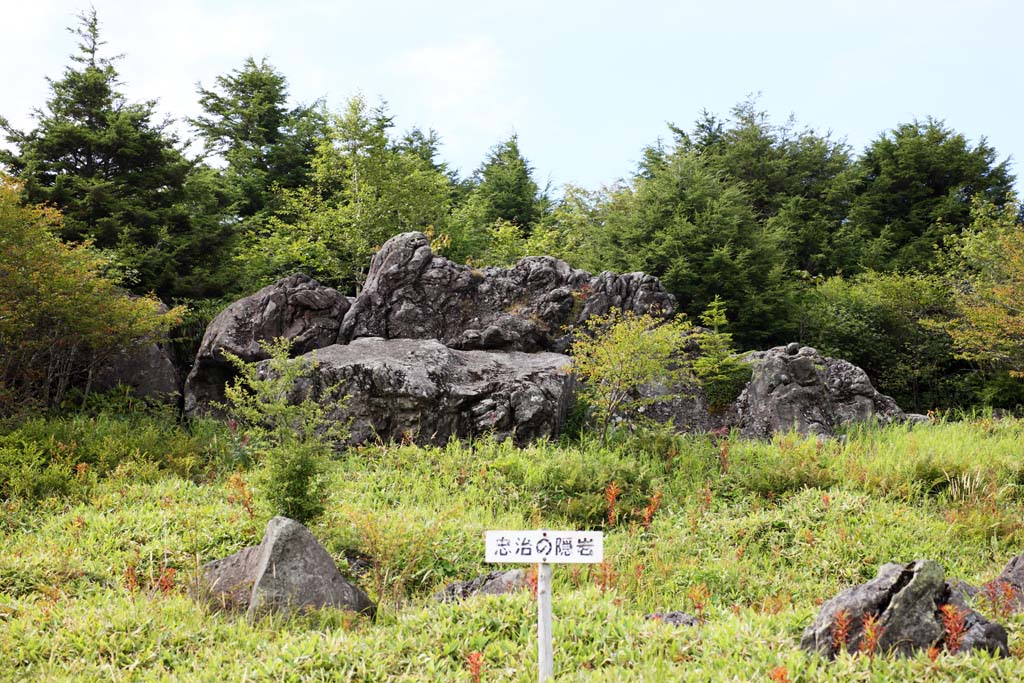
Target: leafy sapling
291	433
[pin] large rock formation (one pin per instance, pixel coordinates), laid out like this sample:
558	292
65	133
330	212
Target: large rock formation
297	307
421	390
288	570
906	601
794	387
533	306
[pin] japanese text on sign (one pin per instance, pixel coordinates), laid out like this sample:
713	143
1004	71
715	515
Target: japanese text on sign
553	547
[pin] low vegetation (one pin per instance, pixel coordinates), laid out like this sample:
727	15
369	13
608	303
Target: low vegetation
107	518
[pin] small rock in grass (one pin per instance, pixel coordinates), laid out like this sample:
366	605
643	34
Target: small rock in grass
289	570
674	618
494	583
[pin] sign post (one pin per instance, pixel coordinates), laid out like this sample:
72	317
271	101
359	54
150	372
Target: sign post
545	548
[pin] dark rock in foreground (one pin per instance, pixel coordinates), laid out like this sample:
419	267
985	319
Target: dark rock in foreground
795	387
533	306
494	583
906	599
297	308
289	570
422	391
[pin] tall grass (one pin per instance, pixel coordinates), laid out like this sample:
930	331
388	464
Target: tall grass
753	538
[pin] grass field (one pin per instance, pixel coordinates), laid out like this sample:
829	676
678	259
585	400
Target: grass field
105	521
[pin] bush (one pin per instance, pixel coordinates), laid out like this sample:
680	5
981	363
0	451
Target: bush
880	322
65	456
60	317
291	434
624	352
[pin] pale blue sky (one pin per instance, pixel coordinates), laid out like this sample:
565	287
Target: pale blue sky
586	85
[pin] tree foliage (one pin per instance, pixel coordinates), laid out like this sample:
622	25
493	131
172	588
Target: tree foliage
623	352
60	318
988	262
682	221
365	188
246	121
879	321
914	187
114	173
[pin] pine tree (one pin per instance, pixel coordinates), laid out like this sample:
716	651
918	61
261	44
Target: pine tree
265	144
114	172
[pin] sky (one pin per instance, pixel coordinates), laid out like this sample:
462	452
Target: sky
585	85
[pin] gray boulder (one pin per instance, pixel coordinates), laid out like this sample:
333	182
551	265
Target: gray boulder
423	391
494	583
906	599
794	387
533	306
288	571
673	618
146	368
297	307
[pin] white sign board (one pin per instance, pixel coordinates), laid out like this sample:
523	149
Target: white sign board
544	547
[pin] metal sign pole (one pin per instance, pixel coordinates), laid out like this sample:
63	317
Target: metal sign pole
547	548
545	649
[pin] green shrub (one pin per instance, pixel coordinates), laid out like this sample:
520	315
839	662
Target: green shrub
721	372
61	317
292	435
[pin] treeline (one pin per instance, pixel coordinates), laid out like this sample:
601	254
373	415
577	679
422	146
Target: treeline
904	258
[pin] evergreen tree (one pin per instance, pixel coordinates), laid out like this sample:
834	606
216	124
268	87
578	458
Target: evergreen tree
682	221
914	188
503	194
796	180
115	174
265	144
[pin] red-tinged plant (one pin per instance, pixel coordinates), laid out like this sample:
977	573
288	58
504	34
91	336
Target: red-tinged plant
650	509
826	501
1001	597
475	665
611	498
606	576
872	634
841	623
531	581
698	596
240	493
706	502
933	653
779	674
953	621
131	579
166	581
723	457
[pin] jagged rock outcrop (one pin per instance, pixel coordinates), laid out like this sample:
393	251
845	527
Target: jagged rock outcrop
289	570
423	391
906	600
296	307
533	306
493	583
794	387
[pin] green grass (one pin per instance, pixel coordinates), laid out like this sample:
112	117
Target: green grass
766	530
